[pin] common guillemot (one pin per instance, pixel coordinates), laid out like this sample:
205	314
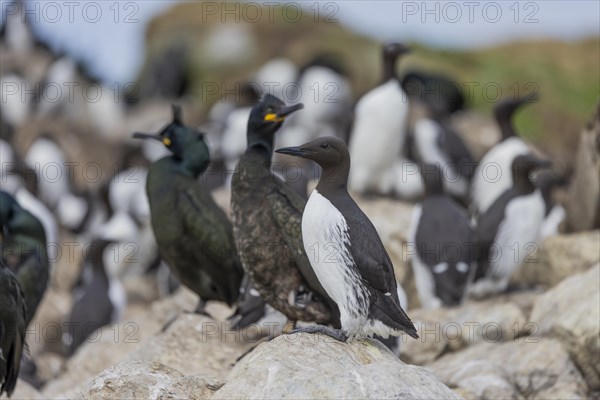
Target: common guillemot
99	297
435	142
493	174
379	129
509	230
358	275
445	247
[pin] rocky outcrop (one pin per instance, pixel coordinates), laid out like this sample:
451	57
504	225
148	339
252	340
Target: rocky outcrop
446	330
559	257
112	344
197	345
44	331
529	368
49	366
147	380
570	312
315	366
103	351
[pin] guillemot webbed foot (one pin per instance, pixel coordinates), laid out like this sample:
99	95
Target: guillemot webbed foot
337	334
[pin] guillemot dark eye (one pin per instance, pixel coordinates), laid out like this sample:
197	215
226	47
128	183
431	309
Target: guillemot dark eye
325	145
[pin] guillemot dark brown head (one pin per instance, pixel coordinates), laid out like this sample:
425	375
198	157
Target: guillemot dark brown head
330	153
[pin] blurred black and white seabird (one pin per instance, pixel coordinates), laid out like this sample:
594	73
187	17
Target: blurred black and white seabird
219	113
99	298
233	140
54	98
326	93
55	189
510	228
434	89
445	249
16	108
276	77
556	214
129	210
379	129
16	31
493	174
435	142
360	277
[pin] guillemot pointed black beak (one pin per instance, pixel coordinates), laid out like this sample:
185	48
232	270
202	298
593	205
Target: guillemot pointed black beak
294	151
285	111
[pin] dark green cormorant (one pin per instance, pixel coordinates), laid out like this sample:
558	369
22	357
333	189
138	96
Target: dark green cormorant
13	311
193	233
267	215
24	250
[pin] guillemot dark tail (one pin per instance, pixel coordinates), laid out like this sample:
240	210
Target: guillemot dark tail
391	314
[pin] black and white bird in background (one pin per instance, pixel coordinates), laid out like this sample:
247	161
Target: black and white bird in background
434	141
379	129
99	296
444	246
55	183
493	174
510	228
326	93
555	215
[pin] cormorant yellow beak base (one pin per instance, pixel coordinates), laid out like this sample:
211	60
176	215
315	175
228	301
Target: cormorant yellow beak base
274	117
281	115
166	141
